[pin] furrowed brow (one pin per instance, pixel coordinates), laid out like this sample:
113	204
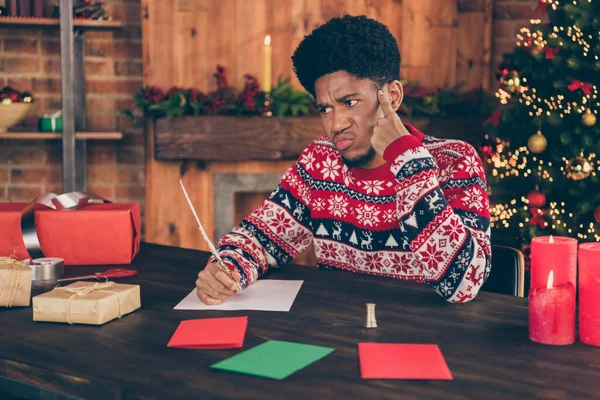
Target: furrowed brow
339	100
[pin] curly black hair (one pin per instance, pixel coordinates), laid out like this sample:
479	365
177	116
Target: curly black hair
358	45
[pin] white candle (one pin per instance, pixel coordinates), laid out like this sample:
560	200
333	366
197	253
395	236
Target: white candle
267	59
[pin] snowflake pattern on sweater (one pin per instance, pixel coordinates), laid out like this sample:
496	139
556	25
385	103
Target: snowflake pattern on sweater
422	216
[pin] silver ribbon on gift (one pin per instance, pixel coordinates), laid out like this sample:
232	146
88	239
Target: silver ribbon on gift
64	202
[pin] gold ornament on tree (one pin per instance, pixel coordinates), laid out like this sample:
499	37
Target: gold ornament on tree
537	143
588	118
578	168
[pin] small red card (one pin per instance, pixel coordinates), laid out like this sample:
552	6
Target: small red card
210	333
402	361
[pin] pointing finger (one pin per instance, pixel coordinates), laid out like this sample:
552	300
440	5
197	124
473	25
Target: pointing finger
385	100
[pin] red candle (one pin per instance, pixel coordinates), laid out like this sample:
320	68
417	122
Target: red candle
558	254
589	290
552	313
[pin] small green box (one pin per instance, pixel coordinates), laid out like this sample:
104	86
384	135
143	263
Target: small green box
50	124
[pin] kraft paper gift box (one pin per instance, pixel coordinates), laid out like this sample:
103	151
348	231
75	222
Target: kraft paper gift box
15	283
94	234
93	303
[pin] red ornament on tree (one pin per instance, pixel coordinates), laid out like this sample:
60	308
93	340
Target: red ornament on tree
597	214
536	199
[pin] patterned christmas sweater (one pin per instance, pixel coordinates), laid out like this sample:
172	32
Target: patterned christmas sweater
423	216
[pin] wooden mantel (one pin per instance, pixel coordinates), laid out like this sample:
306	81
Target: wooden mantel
235	139
220	138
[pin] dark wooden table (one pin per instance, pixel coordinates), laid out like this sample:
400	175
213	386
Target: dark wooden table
485	343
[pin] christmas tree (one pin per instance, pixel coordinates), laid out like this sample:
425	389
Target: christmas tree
541	149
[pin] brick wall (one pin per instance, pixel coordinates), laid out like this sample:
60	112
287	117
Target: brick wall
30	60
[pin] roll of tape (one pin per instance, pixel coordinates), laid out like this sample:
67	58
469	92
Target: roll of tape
47	268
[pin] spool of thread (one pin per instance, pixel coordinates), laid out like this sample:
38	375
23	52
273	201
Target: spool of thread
46	269
371	321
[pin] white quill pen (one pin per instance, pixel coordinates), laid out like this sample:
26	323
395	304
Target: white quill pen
211	246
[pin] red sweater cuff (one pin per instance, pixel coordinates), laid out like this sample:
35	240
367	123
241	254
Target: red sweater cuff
399	146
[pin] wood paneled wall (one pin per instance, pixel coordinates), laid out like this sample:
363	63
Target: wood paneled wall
442	42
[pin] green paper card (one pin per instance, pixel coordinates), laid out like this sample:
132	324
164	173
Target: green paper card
273	359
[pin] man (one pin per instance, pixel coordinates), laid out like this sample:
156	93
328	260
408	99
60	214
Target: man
374	195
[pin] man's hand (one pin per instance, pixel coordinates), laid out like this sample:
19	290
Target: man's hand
213	285
388	128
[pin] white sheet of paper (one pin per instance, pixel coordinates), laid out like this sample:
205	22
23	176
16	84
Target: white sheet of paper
263	295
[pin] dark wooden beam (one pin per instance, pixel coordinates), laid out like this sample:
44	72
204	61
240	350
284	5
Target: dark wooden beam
231	139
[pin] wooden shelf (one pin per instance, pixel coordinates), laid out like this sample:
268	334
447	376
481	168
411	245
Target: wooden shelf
49	135
36	22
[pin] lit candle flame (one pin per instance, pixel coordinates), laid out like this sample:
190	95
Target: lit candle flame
550	280
551	240
267	40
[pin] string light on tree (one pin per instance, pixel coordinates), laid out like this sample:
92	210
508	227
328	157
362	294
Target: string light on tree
513	164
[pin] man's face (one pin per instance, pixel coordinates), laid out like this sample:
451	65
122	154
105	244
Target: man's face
349	110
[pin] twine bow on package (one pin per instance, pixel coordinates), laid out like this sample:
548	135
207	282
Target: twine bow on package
86	303
15	283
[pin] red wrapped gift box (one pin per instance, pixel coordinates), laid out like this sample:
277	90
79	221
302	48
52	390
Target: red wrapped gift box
93	234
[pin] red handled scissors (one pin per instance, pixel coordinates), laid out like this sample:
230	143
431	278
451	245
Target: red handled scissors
111	273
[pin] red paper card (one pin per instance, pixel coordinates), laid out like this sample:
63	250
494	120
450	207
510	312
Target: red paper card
402	361
210	333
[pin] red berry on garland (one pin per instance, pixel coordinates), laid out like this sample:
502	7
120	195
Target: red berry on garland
173	90
154	94
597	214
197	96
248	96
536	199
221	77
